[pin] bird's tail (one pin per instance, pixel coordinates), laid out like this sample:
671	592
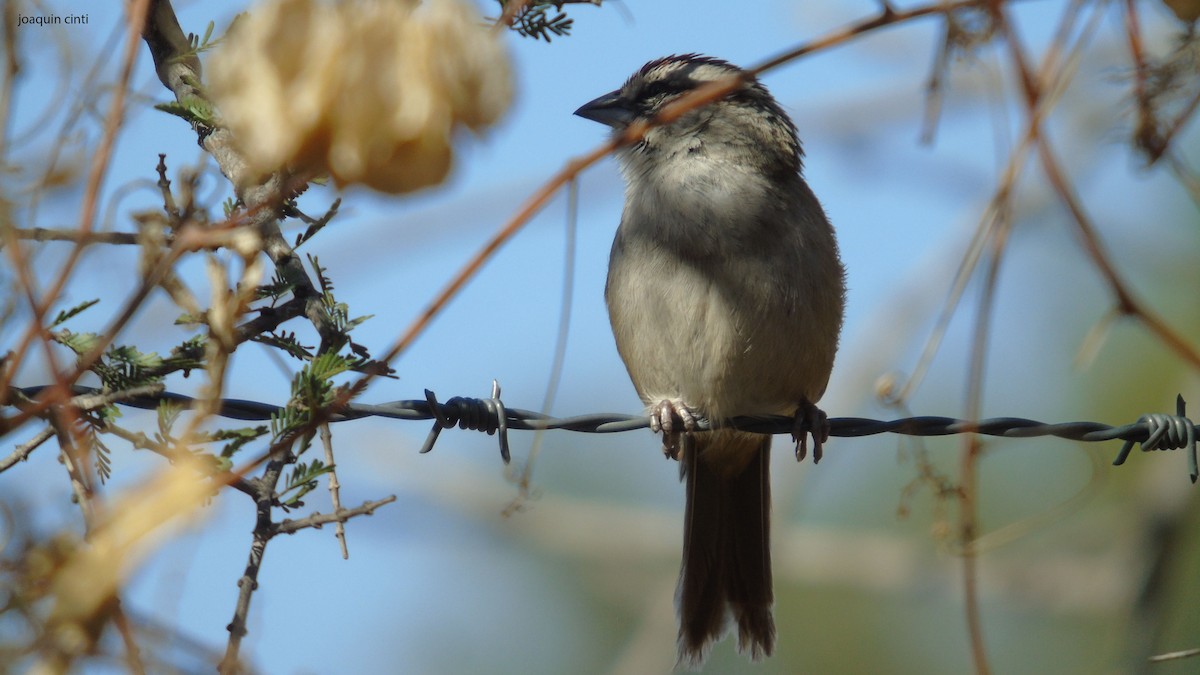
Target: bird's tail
726	571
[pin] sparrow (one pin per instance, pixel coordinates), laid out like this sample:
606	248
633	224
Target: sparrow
726	294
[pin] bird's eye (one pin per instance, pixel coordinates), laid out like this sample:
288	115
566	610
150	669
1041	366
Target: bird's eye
657	94
652	104
661	90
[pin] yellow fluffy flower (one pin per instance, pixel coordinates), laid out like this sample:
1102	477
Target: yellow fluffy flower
369	91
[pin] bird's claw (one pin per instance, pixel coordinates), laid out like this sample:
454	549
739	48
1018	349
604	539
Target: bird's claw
672	418
810	420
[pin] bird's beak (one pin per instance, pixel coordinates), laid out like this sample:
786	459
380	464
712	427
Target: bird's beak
609	109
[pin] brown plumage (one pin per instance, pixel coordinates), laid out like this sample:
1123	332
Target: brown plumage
725	291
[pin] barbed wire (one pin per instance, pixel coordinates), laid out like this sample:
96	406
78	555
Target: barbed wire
1155	431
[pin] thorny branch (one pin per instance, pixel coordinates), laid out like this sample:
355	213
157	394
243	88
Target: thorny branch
264	199
179	70
87	401
340	515
335	494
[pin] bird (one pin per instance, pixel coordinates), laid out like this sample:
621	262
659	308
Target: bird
726	294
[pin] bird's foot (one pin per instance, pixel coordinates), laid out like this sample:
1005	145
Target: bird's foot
672	418
810	420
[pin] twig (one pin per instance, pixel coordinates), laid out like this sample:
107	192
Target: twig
270	318
133	657
690	101
1164	536
81	105
968	492
192	237
335	495
528	210
264	529
164	188
560	346
1172	656
1184	116
101	399
277	456
935	85
11	68
888	16
76	461
247	584
511	9
100	160
73	460
1146	135
315	224
89	399
1185	175
1057	79
1126	303
179	70
48	234
25	449
144	442
339	516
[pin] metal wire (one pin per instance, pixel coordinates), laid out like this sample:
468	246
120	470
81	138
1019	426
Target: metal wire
480	414
1156	431
1166	432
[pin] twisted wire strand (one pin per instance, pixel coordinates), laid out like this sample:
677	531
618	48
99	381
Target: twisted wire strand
1156	431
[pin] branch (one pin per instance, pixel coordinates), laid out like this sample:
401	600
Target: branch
248	583
90	398
317	520
264	531
179	70
144	442
47	234
1127	303
690	101
137	15
25	449
335	494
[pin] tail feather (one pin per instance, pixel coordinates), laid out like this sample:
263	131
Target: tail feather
726	571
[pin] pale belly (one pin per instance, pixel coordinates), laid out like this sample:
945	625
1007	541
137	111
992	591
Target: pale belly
726	344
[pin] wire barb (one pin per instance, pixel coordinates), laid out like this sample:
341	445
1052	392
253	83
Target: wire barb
478	414
1166	432
490	415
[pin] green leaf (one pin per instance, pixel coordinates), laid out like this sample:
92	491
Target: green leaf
533	21
68	313
303	480
103	457
80	343
286	341
187	356
237	439
168	414
192	109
